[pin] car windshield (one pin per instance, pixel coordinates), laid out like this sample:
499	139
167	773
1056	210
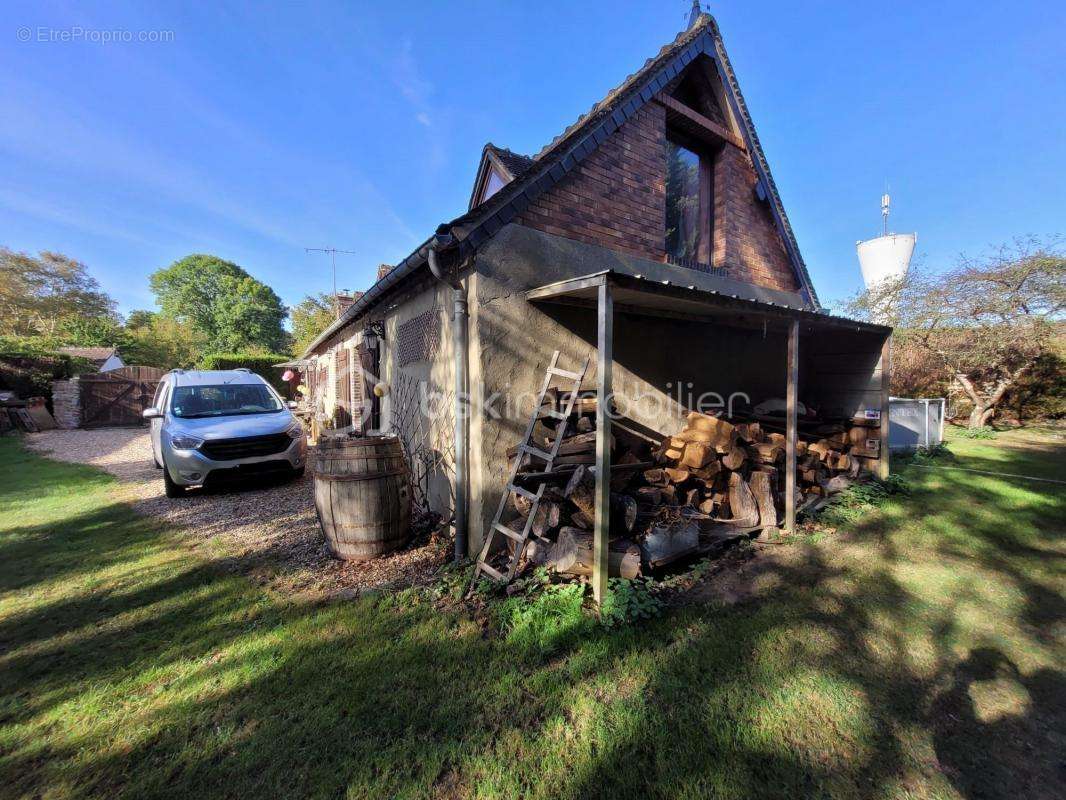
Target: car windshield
223	401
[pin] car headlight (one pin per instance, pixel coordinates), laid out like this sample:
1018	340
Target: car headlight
296	430
185	442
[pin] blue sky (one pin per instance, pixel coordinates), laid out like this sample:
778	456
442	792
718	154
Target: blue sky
258	131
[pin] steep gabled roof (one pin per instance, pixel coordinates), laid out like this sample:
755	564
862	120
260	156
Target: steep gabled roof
557	159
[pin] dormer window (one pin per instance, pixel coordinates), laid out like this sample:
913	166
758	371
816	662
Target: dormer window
689	217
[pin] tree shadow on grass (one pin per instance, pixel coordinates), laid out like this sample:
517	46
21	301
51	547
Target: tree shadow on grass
844	681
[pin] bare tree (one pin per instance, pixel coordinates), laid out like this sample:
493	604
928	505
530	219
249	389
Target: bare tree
984	323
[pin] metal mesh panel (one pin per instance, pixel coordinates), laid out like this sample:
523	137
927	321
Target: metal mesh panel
418	338
424	421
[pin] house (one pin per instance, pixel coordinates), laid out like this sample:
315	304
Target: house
104	359
648	237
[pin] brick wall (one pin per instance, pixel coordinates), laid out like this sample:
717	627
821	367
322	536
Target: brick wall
746	240
616	198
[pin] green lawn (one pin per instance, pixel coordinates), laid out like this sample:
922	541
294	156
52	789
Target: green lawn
920	654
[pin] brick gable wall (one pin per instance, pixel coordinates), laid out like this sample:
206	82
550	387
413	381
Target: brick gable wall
616	198
746	241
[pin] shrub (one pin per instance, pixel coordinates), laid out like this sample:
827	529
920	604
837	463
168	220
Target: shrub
628	601
261	364
976	433
853	504
29	372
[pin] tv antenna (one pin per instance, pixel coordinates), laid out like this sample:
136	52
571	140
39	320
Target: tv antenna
333	264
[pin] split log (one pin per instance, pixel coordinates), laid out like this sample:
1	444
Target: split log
574	554
742	503
776	438
663	545
677	475
547	518
724	434
708	506
769	452
623	469
581	491
697	455
585	424
764	499
691	435
656	477
837	484
734	459
838	461
750	432
707	472
822	448
857	436
692	497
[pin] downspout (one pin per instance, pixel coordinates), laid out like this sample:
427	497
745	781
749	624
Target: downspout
460	345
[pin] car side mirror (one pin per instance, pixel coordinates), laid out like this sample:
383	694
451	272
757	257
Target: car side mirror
151	413
291	404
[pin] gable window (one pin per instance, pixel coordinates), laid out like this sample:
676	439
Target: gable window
493	184
688	205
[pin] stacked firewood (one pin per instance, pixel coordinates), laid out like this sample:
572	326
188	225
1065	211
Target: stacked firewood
712	481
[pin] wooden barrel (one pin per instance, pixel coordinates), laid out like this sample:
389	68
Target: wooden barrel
362	495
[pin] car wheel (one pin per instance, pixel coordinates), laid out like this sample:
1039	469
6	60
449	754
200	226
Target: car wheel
170	488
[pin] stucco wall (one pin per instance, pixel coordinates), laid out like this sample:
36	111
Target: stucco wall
419	403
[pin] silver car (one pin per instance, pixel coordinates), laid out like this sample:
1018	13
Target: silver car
209	426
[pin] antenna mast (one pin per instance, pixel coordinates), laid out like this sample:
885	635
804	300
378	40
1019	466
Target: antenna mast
333	264
886	202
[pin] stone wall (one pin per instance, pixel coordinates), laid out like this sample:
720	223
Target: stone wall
66	403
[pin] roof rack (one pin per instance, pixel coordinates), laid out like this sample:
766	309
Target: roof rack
243	369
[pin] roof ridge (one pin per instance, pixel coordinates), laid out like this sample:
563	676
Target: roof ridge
685	36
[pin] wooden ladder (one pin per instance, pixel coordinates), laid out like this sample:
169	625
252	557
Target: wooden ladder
527	451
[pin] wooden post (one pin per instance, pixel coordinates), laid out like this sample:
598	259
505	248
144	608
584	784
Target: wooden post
886	377
791	427
604	364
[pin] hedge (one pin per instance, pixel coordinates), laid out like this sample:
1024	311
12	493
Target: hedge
261	364
29	373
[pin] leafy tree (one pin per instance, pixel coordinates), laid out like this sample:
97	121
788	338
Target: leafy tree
37	293
93	332
985	324
310	317
217	298
155	340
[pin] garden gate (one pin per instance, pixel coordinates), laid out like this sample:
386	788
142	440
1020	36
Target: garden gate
117	398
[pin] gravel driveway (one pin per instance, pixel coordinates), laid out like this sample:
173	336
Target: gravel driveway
270	531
